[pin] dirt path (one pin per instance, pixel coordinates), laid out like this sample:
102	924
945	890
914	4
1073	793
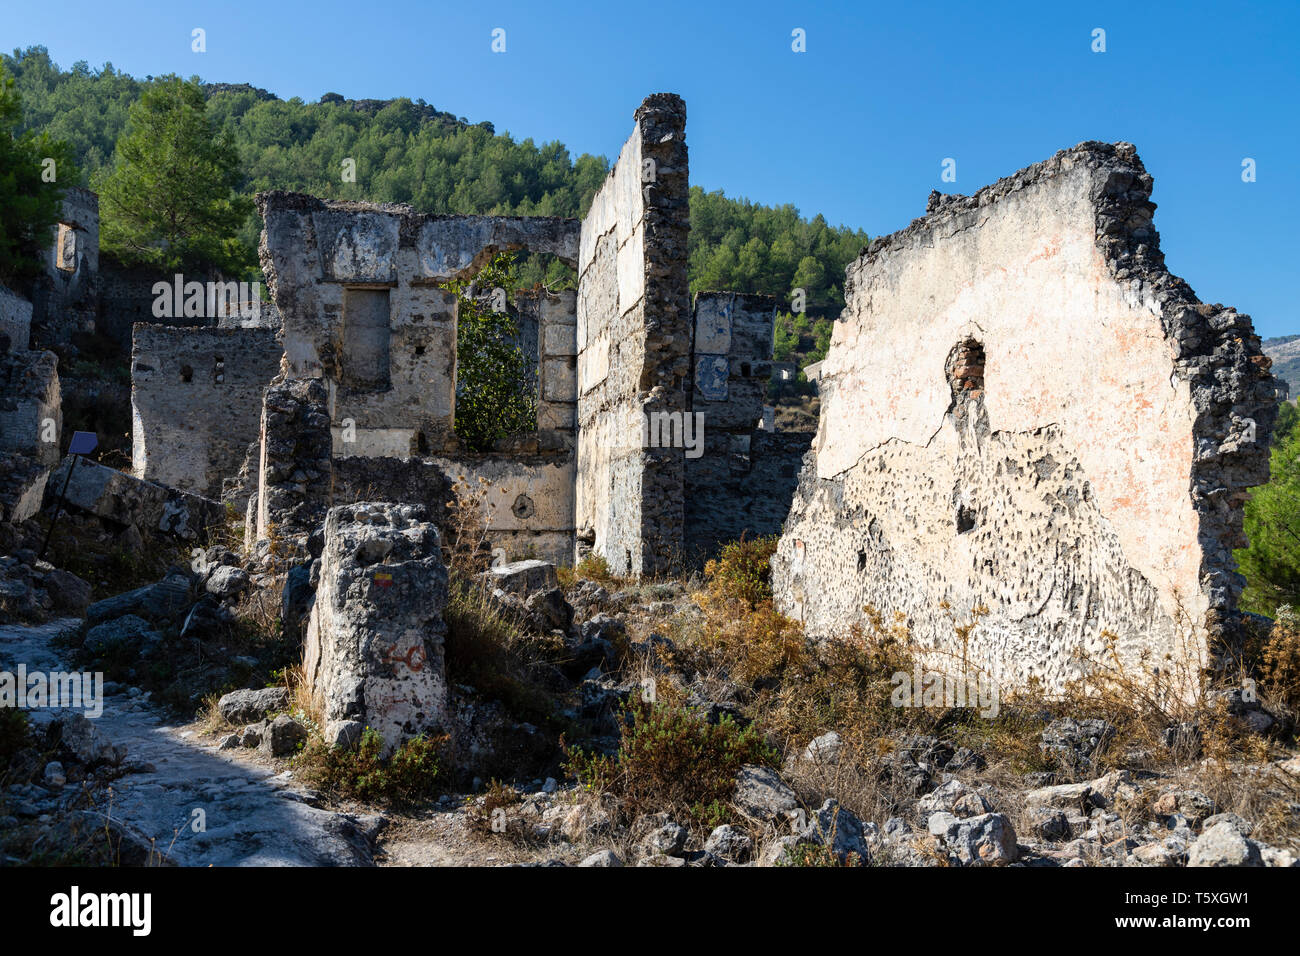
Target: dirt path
252	815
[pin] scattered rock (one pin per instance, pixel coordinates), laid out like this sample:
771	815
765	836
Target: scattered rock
283	736
729	843
69	593
226	582
602	858
985	840
971	805
124	634
669	839
942	798
245	706
824	749
54	775
522	577
1223	845
550	610
1244	827
780	851
78	738
1191	804
344	733
1047	823
1074	743
167	600
840	830
762	794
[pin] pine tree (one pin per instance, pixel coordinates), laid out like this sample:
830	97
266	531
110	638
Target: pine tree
169	200
33	172
1272	562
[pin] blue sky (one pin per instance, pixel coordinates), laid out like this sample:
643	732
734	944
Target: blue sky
856	128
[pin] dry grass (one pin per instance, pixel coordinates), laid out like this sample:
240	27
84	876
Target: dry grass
740	649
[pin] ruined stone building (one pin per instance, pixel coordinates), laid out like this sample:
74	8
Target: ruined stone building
1029	425
65	298
1034	442
648	450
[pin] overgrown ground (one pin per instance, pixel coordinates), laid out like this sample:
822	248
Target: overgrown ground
707	677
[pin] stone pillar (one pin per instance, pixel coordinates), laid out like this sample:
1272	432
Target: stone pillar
374	653
293	489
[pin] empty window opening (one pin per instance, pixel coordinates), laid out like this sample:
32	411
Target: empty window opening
187	373
364	360
965	370
67	248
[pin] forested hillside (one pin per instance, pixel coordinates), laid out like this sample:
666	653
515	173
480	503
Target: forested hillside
408	151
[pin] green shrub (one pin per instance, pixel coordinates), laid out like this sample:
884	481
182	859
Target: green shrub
408	778
671	758
742	571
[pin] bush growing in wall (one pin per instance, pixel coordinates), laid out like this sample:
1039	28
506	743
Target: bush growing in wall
494	398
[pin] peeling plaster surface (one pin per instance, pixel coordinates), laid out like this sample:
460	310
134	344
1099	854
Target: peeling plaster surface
1053	508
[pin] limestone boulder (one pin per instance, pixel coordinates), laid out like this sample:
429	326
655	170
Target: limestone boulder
128	501
523	577
375	637
245	706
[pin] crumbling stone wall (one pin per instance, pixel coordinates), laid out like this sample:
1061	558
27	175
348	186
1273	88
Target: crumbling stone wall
31	418
294	470
356	286
633	342
528	509
1029	425
64	299
554	316
31	426
196	397
15	322
416	481
739	483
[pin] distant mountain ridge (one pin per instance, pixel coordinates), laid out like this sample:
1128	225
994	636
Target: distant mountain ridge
400	150
1284	350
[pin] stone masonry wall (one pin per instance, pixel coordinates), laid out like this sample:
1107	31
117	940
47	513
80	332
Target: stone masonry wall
356	286
15	321
633	345
64	299
196	397
557	352
1029	425
294	471
742	483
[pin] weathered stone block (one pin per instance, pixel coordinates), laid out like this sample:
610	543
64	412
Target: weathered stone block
374	647
23	488
125	500
559	380
523	577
